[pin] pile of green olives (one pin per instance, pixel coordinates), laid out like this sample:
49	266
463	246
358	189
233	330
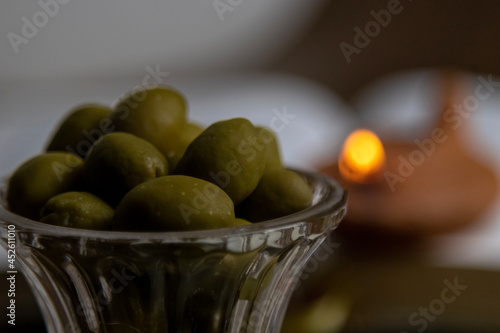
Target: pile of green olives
143	166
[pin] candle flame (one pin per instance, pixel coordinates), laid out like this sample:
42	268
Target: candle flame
362	158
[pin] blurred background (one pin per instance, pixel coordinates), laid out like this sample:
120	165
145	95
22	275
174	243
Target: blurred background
419	249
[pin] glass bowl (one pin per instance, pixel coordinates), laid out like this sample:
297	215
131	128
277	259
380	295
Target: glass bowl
223	280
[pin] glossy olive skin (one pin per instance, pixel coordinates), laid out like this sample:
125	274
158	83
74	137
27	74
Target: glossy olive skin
118	162
280	192
39	179
157	115
81	128
174	203
268	138
77	210
190	132
228	154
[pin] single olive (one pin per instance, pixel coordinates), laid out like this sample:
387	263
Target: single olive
240	222
77	210
81	128
280	192
228	154
174	203
120	161
130	295
39	179
189	133
156	115
273	156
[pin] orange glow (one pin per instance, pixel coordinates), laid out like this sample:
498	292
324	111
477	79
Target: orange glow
363	158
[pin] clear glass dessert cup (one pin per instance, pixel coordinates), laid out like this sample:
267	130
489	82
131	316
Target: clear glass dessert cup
224	280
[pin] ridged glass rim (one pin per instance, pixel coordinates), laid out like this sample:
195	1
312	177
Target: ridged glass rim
332	199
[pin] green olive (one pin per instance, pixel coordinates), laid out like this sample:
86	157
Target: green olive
280	192
189	133
81	128
240	222
120	161
268	138
156	115
228	154
174	203
39	179
77	210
